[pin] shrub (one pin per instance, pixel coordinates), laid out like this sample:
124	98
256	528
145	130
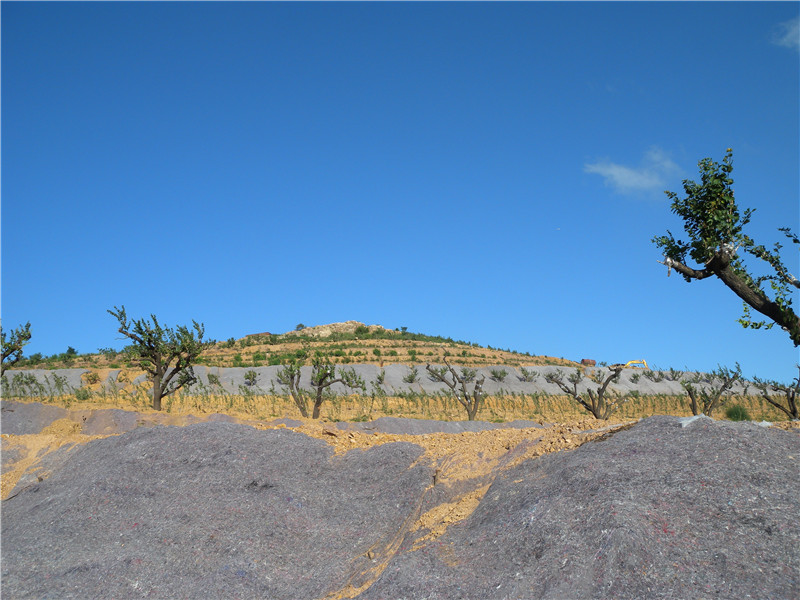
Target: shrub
468	375
109	353
498	374
250	378
413	375
737	413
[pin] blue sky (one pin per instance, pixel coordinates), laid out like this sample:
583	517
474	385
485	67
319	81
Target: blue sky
493	172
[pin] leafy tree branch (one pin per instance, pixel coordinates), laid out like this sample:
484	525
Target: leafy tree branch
715	224
12	345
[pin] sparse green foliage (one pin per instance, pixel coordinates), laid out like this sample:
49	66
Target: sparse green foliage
165	354
715	226
528	375
468	375
323	375
498	374
436	373
674	375
412	375
289	376
12	344
470	400
34	359
654	376
706	400
250	378
83	394
598	404
299	327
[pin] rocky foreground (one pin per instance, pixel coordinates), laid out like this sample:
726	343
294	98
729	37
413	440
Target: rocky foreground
661	508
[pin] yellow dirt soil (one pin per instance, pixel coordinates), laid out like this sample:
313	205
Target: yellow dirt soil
33	448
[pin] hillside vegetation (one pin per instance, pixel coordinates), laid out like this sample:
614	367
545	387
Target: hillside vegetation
342	343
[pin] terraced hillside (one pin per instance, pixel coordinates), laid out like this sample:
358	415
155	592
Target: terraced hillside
343	343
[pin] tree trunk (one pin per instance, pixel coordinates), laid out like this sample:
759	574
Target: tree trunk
157	395
301	404
317	404
693	404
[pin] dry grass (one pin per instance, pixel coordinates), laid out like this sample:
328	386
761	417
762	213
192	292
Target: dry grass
535	407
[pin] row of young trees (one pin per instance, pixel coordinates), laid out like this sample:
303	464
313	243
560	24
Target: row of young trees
713	223
167	356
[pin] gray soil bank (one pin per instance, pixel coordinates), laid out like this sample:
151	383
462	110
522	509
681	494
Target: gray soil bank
405	426
232	380
708	510
213	510
670	508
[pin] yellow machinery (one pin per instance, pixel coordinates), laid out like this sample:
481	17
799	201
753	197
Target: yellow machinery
630	363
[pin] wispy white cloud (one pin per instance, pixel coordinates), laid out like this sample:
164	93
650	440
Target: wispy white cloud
651	175
787	34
